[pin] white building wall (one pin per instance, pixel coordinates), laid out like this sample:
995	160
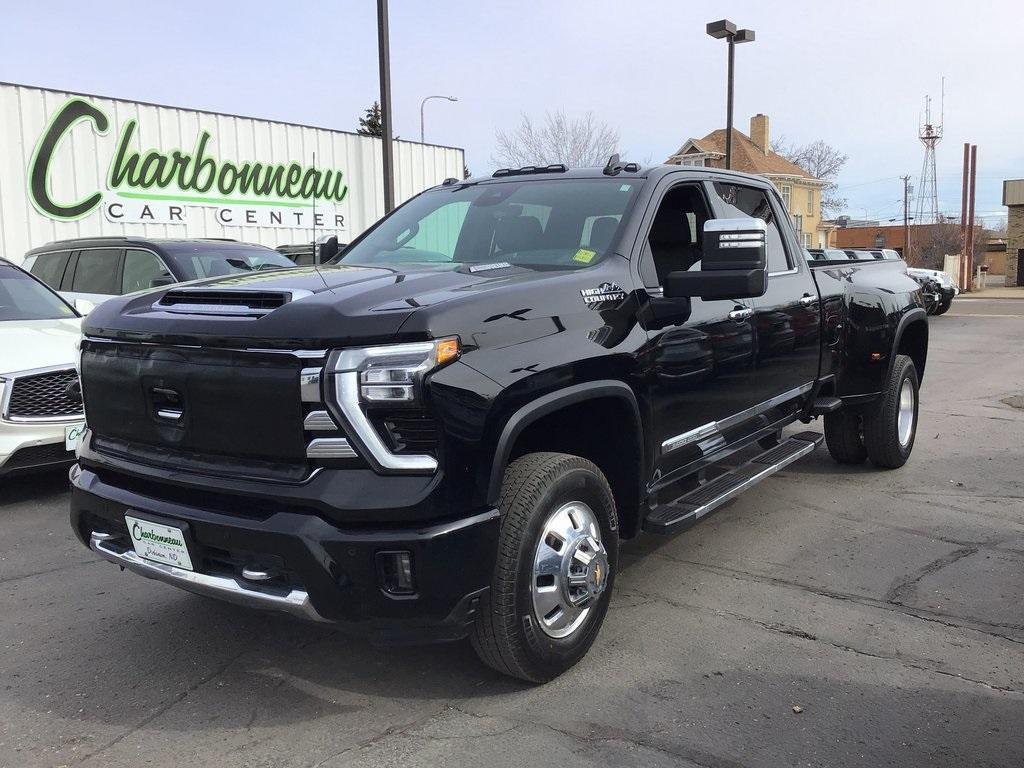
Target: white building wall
81	165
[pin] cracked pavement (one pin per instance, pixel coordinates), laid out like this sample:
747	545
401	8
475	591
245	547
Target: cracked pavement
889	606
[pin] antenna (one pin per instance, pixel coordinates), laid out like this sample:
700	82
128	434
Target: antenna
930	135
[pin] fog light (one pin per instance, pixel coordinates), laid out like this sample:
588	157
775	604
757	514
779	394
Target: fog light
394	572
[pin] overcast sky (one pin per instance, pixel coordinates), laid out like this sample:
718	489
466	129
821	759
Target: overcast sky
853	74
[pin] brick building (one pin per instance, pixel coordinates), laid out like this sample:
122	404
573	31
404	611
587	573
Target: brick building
1013	199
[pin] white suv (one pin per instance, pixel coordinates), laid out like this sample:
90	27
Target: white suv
41	414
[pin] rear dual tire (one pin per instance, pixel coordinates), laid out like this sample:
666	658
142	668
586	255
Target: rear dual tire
555	569
884	431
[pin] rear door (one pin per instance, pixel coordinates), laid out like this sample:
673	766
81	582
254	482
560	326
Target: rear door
787	317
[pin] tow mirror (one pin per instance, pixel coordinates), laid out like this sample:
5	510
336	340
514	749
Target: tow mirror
734	262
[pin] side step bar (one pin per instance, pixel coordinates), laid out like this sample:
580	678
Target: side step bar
688	509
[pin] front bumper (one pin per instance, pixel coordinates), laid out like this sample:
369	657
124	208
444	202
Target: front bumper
322	572
27	446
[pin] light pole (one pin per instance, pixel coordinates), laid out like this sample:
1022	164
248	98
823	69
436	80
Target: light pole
423	104
718	30
384	55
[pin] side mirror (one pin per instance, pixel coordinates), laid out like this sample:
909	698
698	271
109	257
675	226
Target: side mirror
83	306
160	282
734	262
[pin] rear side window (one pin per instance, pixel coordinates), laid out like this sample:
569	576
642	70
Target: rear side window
49	267
749	202
96	271
140	269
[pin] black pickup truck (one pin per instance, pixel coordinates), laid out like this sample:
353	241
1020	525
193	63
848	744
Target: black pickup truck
447	430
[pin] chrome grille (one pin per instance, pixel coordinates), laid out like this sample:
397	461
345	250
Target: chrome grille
43	396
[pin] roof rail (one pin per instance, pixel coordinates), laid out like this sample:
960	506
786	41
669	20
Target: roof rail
528	169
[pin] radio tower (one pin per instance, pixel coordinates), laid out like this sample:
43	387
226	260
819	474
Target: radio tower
928	193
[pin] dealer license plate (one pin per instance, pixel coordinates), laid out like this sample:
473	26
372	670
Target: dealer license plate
73	434
159	543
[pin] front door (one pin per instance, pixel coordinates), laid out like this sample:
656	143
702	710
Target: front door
699	366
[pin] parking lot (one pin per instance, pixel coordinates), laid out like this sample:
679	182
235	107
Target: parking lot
830	617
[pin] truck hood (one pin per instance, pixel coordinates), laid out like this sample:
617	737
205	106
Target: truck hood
31	344
328	305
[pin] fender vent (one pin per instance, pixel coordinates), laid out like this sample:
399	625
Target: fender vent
199	301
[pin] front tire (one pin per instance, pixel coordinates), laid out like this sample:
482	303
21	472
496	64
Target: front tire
556	564
891	425
943	307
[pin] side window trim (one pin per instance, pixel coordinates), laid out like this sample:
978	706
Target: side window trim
776	202
69	271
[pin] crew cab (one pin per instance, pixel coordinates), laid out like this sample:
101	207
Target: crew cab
448	429
90	270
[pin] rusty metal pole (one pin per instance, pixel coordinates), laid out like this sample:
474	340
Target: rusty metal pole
963	215
970	218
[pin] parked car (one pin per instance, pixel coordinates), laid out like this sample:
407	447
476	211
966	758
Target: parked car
448	430
91	270
323	250
41	417
938	288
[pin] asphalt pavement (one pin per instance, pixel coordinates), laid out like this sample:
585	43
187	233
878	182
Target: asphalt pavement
829	617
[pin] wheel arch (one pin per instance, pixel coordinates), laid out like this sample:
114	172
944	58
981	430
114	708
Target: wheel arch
911	339
535	426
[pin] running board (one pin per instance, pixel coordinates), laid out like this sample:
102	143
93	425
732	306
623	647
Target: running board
688	509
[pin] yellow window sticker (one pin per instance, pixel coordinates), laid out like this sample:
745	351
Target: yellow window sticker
584	255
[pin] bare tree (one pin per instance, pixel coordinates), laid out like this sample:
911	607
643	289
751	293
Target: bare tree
821	160
578	143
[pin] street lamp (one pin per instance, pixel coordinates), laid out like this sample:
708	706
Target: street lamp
384	62
726	29
423	103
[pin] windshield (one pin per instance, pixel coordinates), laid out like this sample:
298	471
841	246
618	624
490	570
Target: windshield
212	259
559	224
24	298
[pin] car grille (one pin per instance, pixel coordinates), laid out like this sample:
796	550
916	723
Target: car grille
44	396
37	456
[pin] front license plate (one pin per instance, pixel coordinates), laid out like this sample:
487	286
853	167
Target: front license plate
159	543
73	434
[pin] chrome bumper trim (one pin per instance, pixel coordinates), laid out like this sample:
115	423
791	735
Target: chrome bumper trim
330	448
295	602
319	421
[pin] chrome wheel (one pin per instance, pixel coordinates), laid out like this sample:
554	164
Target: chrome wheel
570	569
905	420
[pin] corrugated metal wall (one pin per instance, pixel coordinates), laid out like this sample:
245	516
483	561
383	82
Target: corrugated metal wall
82	162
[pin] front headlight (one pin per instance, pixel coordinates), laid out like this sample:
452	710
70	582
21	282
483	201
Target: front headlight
394	372
378	377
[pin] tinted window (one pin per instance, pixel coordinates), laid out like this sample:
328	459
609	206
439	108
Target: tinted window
199	258
22	298
748	202
97	271
49	267
140	269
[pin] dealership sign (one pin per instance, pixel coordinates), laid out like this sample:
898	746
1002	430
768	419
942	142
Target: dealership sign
158	187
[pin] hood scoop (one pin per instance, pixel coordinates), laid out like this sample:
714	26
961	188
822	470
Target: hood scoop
221	301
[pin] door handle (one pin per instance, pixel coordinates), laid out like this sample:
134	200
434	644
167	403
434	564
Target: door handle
741	314
806	300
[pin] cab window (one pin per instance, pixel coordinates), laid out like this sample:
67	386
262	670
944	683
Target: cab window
749	202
